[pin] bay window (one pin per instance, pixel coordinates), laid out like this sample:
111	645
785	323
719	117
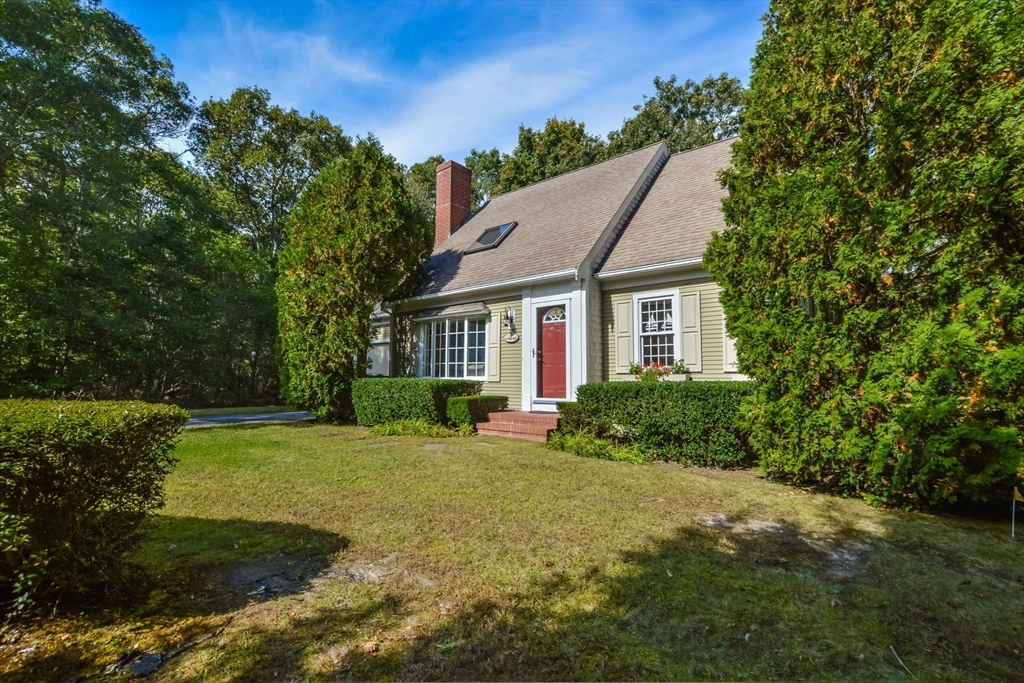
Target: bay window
455	347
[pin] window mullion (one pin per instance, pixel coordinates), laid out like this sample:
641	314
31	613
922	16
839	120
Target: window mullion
444	355
428	350
465	343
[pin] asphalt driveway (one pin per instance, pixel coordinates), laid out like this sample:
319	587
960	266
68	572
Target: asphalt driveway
215	420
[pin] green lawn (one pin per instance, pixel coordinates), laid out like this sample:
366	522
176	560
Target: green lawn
304	552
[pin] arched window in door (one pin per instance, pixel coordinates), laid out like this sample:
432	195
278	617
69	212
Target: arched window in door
555	315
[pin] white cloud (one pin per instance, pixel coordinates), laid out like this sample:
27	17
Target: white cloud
594	74
291	64
485	100
429	92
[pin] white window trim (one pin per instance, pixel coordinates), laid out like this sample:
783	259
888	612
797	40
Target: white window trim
734	373
376	329
676	321
576	351
424	362
725	350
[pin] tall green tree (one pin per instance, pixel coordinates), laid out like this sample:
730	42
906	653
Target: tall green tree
98	228
683	116
485	167
873	270
561	146
355	237
422	180
259	157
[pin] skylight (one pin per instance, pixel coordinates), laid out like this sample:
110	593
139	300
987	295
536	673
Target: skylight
491	237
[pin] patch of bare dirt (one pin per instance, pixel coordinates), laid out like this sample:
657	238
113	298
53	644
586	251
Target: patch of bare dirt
265	578
841	558
376	572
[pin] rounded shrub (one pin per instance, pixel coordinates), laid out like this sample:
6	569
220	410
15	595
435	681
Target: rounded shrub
467	411
688	422
77	481
390	399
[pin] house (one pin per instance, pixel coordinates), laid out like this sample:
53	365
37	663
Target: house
378	355
571	280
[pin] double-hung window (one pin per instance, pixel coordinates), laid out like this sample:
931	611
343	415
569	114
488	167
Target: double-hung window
656	329
455	347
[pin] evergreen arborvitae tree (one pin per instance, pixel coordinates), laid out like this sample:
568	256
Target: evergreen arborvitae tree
355	237
873	272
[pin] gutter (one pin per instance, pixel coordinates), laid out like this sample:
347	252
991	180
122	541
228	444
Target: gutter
653	268
529	279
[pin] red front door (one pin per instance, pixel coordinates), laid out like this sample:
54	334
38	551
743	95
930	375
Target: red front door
551	322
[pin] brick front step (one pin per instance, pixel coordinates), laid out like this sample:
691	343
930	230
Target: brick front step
550	420
524	432
518	424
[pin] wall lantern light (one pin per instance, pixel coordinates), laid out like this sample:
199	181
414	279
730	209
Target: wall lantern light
510	322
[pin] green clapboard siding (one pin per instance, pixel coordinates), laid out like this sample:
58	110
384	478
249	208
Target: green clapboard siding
712	330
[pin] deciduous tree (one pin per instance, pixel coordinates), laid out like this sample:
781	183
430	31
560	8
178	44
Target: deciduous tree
683	116
99	230
422	180
561	146
258	157
485	167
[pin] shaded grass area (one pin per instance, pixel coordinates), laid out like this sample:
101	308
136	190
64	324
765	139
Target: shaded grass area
245	410
307	552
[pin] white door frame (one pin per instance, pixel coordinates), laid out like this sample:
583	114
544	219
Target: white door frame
536	304
570	295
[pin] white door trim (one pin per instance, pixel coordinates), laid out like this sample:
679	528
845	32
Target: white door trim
548	404
570	295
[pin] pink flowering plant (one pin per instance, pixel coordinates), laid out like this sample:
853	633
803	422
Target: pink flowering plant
656	371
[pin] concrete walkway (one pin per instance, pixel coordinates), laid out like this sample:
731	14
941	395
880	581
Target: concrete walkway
215	420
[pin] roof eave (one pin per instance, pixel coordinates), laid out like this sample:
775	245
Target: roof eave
650	268
568	273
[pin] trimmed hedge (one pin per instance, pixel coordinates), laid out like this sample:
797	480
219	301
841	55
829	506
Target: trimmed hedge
468	410
694	423
77	481
390	399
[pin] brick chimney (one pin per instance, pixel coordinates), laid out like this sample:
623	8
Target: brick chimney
454	197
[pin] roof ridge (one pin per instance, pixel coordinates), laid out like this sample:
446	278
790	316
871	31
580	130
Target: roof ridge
581	168
694	149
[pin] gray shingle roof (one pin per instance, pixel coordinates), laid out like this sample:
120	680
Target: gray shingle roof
559	221
679	213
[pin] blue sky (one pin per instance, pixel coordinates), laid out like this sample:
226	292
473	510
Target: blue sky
444	77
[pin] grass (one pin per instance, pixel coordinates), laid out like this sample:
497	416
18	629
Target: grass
245	410
587	445
305	552
419	427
